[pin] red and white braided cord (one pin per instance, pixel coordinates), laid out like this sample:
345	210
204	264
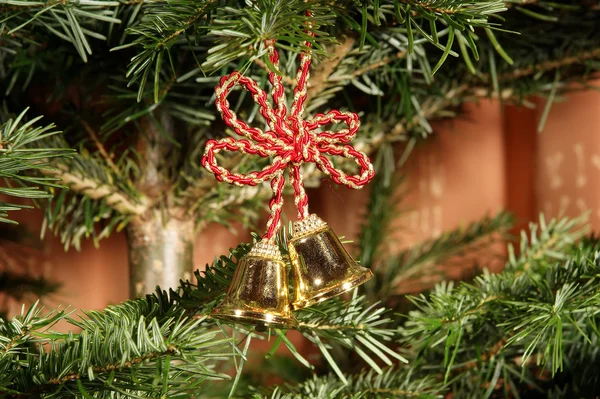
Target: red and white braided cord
290	140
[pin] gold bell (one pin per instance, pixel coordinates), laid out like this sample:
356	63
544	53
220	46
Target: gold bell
322	267
259	292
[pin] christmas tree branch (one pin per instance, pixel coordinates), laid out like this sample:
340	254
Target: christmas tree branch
117	349
378	64
420	260
19	159
502	321
96	190
322	72
547	66
397	382
288	80
101	149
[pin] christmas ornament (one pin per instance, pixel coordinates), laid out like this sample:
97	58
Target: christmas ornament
259	291
322	267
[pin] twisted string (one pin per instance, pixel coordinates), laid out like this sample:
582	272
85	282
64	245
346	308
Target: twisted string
290	140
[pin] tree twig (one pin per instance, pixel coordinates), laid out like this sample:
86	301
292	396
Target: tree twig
288	80
93	189
384	61
547	65
494	350
115	366
323	71
101	149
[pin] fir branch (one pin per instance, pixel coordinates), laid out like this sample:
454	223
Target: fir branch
546	66
101	149
112	367
124	345
421	259
546	243
379	64
321	74
73	21
19	160
396	382
288	80
501	321
96	190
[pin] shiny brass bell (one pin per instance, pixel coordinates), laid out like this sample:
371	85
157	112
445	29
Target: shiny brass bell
259	292
322	268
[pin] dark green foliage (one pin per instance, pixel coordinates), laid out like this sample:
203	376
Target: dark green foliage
543	306
19	158
392	383
143	347
166	343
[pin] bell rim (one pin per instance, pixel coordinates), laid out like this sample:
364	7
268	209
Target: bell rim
255	318
334	290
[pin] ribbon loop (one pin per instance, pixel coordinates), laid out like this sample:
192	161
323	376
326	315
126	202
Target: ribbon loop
339	176
226	84
213	147
342	136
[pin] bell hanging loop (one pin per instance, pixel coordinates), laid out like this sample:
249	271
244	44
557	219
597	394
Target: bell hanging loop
321	266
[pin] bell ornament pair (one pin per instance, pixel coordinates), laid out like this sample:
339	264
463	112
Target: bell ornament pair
321	268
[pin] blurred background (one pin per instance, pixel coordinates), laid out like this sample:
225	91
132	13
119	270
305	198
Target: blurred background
490	158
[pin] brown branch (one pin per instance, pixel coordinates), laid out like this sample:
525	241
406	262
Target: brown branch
539	253
315	326
396	393
113	367
384	61
320	76
14	340
101	148
200	13
286	79
93	189
547	65
494	350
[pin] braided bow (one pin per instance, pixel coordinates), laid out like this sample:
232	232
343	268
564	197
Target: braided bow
289	140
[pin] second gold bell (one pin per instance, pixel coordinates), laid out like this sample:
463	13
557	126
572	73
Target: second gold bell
321	266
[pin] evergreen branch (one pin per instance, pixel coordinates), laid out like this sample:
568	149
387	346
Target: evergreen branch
547	66
96	190
354	325
379	64
112	367
101	149
18	160
420	260
325	68
157	32
501	321
118	351
70	20
547	243
396	382
288	80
